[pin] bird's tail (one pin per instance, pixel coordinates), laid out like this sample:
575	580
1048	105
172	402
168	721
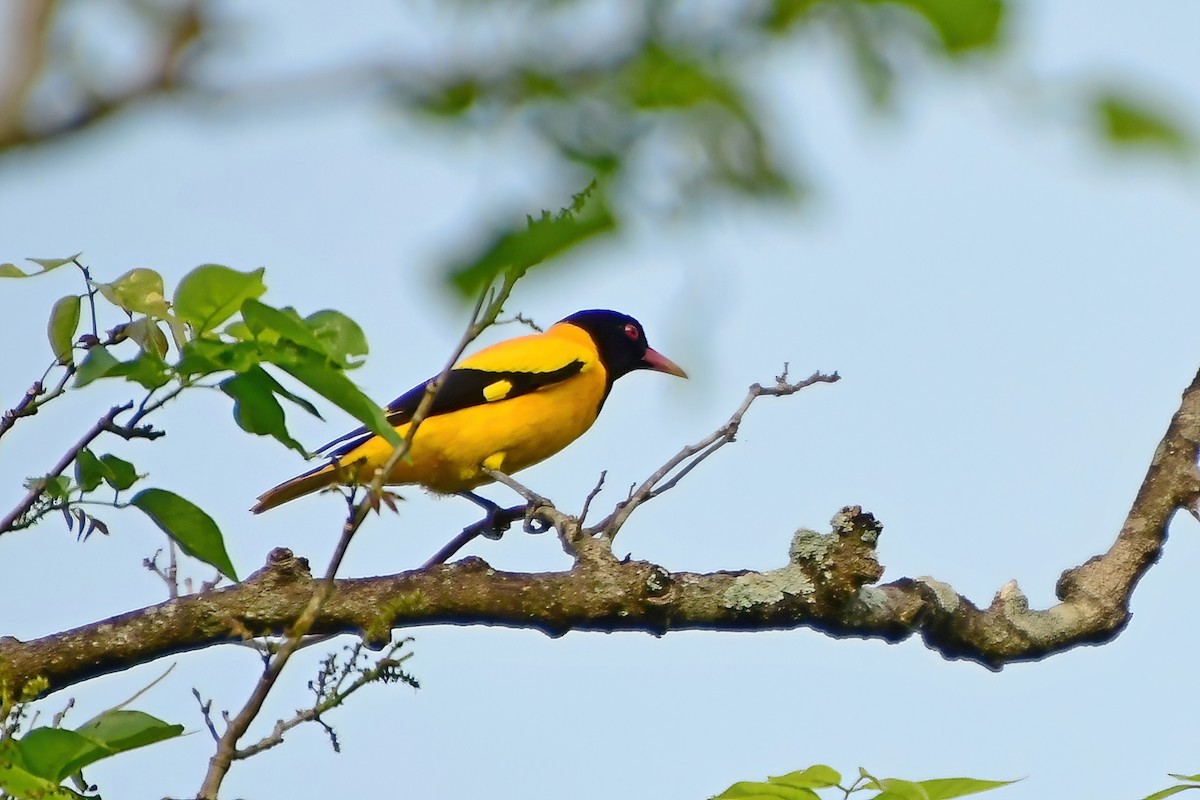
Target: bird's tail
309	482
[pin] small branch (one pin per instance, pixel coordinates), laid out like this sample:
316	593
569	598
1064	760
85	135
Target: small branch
687	459
330	696
587	503
32	496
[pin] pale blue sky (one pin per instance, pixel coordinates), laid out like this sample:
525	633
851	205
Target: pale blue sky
1011	309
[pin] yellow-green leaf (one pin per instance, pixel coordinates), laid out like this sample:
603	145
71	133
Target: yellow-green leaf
64	319
138	290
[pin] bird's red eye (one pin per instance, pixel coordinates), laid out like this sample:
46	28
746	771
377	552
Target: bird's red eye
631	330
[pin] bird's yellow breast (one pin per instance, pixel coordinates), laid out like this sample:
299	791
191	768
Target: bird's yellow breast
503	433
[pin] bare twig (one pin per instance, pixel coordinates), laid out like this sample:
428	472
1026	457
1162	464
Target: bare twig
666	477
330	696
587	503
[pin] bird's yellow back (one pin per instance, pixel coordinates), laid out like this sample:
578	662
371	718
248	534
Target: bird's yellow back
503	433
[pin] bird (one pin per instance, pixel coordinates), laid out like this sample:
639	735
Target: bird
504	408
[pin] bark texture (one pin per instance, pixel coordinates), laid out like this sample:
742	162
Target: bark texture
828	584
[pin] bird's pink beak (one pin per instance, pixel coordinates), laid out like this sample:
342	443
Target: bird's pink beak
659	363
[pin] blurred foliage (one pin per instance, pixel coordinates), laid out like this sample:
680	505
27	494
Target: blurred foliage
1130	121
655	98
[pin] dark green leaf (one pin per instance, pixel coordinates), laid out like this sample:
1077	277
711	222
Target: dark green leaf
331	383
255	408
519	248
45	264
192	529
121	474
341	336
817	776
96	364
271	324
211	294
1127	121
64	319
138	290
90	471
946	788
206	356
279	389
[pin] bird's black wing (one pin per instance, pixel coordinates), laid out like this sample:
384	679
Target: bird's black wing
463	388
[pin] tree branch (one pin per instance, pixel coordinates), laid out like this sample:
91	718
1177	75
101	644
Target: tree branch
826	585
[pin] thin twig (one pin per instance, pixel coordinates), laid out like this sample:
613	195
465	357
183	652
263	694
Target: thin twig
484	313
666	477
587	503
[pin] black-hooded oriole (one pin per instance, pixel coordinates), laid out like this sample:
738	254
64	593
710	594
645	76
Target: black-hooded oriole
504	408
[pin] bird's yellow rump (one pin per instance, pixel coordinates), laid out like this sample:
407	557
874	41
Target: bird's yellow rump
504	408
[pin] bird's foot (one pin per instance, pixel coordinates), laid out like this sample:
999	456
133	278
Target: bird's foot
496	519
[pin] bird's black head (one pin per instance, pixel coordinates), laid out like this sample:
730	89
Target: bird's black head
621	343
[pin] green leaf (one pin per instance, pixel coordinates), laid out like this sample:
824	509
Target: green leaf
897	789
1169	792
192	529
752	790
279	389
520	248
211	294
271	324
1128	121
47	752
90	471
1178	777
255	408
121	474
206	356
57	487
962	25
332	384
118	730
341	336
817	776
95	365
145	369
946	788
46	264
138	290
18	781
64	319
